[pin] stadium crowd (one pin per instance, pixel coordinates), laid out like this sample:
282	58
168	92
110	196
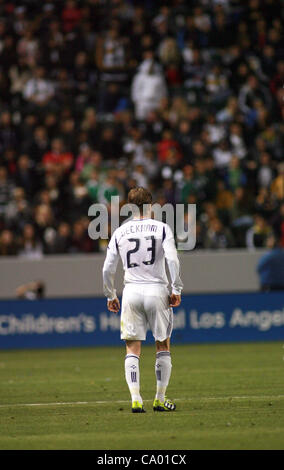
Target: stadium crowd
98	96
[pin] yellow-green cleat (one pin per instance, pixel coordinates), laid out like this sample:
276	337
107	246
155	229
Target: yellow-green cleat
137	407
166	405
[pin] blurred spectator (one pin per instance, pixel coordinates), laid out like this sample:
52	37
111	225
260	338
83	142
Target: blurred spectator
140	176
225	197
187	184
201	180
8	244
258	234
270	267
8	134
25	175
277	185
30	247
108	188
184	137
135	145
265	171
62	241
44	225
38	90
6	188
111	55
237	141
222	154
216	131
84	157
28	48
277	222
229	112
217	85
93	186
80	240
167	143
57	161
265	203
235	176
148	87
109	145
250	92
39	144
33	290
77	198
217	236
94	163
17	211
71	15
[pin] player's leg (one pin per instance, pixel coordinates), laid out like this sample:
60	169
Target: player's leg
163	345
133	331
132	374
133	347
163	369
160	317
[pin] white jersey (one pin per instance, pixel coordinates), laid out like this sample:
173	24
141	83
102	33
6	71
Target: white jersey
143	245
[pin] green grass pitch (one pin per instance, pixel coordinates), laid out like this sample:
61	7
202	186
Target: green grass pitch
229	396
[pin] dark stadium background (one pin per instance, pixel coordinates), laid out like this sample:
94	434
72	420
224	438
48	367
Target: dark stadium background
213	136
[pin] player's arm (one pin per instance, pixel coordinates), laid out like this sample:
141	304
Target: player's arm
109	270
173	265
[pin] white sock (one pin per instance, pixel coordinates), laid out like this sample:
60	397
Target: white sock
163	368
132	376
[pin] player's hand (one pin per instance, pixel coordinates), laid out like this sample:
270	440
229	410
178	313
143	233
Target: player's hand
113	305
175	300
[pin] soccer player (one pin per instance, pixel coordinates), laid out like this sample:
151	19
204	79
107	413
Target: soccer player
143	245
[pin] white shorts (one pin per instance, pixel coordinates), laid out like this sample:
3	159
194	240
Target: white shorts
143	306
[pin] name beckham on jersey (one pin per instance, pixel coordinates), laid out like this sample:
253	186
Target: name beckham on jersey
139	228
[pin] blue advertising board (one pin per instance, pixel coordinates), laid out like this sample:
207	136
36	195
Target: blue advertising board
203	318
